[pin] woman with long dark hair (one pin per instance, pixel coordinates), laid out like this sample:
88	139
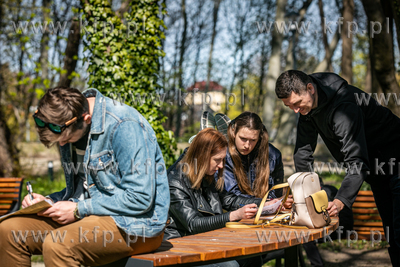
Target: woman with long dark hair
252	165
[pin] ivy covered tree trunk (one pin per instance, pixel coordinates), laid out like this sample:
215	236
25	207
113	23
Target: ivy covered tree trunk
125	58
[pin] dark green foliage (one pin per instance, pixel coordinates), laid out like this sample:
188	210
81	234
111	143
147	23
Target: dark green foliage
124	60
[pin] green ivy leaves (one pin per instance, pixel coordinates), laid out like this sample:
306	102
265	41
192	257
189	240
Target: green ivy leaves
124	57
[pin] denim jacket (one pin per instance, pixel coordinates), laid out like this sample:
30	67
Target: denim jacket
275	167
124	169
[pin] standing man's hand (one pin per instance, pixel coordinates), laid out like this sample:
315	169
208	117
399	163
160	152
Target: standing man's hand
289	203
61	212
335	207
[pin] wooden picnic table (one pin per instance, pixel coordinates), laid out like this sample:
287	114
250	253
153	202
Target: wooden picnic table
229	244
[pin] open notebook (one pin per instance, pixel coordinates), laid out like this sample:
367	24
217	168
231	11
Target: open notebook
35	208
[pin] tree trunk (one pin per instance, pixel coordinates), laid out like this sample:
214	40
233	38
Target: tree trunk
288	118
180	66
214	33
199	39
262	75
347	41
44	44
368	77
324	35
9	159
71	53
382	56
274	66
325	63
396	7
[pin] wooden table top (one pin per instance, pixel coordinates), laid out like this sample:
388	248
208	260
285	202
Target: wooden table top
230	243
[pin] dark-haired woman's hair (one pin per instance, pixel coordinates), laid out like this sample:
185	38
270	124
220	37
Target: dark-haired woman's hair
251	121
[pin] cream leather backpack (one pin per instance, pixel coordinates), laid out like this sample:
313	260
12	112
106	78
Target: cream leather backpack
310	202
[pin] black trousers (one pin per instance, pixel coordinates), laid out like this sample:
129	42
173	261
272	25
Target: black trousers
387	199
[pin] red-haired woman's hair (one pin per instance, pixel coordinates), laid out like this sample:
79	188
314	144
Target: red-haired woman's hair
206	144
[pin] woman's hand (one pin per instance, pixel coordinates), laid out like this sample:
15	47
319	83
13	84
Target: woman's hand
28	202
246	212
272	201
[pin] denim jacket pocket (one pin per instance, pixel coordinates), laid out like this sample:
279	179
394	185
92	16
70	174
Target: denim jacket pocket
104	171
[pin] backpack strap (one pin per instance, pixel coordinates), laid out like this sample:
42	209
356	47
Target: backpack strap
260	209
274	221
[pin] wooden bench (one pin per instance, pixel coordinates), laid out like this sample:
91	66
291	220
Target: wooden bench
10	194
366	216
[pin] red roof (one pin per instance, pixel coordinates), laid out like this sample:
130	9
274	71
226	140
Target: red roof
214	86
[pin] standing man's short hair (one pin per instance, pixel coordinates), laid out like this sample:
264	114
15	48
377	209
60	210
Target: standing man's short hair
291	81
59	105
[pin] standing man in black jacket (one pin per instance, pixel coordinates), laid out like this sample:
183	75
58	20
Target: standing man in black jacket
358	132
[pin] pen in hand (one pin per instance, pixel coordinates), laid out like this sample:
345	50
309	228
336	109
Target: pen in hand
29	188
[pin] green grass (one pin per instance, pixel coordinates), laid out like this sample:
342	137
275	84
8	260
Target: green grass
337	246
336	180
37	258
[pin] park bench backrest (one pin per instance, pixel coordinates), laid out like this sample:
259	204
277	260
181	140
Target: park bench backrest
366	216
10	194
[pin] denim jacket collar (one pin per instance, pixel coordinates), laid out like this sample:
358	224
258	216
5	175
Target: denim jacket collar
98	122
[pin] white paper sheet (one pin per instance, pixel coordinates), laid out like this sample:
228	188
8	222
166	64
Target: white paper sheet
272	208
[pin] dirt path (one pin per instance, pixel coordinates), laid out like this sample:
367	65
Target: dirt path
357	258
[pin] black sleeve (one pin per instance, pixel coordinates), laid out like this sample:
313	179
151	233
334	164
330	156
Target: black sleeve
306	142
348	126
182	210
278	174
231	201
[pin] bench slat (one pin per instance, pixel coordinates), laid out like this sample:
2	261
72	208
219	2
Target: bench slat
367	217
360	223
9	195
9	185
364	205
8	179
365	211
362	228
365	199
369	232
365	193
9	190
5	207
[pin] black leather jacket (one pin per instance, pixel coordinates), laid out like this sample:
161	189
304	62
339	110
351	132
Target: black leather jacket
194	211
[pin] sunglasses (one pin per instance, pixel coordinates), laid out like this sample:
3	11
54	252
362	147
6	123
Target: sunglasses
55	128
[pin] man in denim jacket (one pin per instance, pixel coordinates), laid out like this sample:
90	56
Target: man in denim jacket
116	199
